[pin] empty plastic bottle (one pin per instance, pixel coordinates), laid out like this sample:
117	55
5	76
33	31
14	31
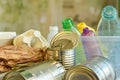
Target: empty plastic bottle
89	41
109	23
109	26
53	30
90	44
80	54
68	25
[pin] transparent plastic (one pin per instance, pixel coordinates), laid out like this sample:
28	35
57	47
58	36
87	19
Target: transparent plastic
109	24
110	47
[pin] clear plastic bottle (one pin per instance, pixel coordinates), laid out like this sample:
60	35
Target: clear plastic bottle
109	26
109	22
53	30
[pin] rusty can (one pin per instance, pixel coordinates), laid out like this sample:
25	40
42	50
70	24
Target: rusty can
48	70
98	68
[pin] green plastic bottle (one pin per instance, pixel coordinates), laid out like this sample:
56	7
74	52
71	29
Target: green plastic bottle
68	25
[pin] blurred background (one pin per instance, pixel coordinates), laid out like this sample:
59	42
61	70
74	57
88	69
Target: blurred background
22	15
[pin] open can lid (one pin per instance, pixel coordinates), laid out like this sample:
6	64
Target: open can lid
65	40
80	72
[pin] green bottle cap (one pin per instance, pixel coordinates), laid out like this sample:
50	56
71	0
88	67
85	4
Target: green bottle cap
67	23
109	12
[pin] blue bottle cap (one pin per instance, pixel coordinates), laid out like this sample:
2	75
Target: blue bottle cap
109	12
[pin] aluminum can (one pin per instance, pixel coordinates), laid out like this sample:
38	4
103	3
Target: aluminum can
98	68
48	70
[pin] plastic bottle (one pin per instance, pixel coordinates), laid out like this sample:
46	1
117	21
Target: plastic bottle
90	44
53	30
88	39
68	25
109	23
109	26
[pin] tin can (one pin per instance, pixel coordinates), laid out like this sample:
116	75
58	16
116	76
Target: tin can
68	58
49	70
98	68
65	42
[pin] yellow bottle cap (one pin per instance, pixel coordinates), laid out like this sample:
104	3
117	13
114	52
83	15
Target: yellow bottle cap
82	25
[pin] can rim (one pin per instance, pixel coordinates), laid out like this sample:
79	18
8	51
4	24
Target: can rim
72	36
83	70
12	75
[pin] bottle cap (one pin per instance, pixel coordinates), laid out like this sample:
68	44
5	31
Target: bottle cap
53	28
80	26
109	12
86	30
67	23
83	25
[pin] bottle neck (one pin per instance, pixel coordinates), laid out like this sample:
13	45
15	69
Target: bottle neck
109	13
53	31
110	19
73	29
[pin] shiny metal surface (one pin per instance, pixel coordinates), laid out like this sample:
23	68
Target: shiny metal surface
65	40
68	58
65	43
98	68
50	70
80	72
102	68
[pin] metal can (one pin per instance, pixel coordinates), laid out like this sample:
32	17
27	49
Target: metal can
98	68
65	42
68	58
48	70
